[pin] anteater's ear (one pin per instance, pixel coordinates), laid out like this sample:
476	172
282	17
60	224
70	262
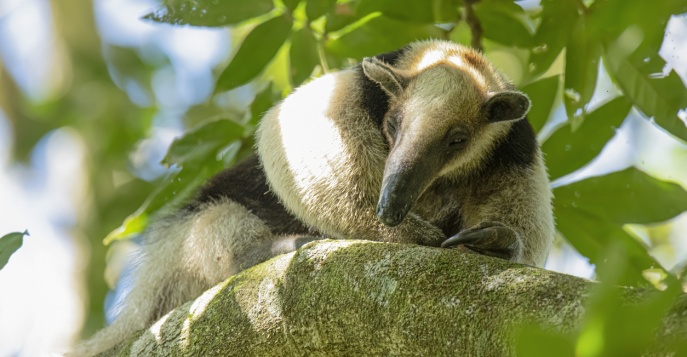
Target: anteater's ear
391	80
508	105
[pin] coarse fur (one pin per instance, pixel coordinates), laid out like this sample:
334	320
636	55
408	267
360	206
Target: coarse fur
418	145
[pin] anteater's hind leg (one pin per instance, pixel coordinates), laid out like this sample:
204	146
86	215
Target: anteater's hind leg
184	255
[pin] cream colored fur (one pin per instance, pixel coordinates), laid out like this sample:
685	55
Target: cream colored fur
183	256
325	159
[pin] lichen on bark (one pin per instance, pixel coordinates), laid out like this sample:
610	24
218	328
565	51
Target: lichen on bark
347	298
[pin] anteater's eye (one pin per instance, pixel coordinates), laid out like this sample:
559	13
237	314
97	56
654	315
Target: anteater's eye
392	126
456	141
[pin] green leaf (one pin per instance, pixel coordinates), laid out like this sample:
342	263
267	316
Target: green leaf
424	12
567	150
10	243
197	145
542	93
593	236
558	19
303	55
211	13
608	19
171	192
590	213
501	21
263	101
653	93
628	196
200	153
376	34
613	328
581	69
133	224
256	51
336	21
291	4
316	8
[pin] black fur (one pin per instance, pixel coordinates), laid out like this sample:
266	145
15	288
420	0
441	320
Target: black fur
246	184
374	100
517	149
392	57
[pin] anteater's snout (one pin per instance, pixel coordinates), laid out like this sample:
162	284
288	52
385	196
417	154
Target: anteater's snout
390	217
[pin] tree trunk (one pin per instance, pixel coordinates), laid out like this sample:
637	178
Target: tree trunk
357	298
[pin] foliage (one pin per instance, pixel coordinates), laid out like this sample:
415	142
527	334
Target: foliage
558	48
10	243
612	326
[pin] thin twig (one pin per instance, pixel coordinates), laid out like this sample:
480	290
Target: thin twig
475	27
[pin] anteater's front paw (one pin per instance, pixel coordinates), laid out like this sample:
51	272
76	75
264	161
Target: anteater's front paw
488	238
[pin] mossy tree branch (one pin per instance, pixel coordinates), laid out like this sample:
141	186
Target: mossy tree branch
347	298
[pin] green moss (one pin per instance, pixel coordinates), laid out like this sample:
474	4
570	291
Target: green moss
343	298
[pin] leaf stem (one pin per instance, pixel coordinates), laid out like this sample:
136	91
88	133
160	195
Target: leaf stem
321	54
475	26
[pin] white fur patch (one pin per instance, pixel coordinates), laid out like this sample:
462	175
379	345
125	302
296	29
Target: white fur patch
311	140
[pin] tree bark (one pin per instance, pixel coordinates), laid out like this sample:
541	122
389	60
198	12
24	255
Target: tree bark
358	298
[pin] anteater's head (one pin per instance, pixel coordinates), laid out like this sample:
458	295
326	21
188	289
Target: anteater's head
447	110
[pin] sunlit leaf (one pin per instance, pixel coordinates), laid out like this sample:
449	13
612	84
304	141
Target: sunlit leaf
10	243
316	8
501	22
256	51
427	12
542	93
567	151
378	34
197	145
558	19
303	55
133	224
628	196
209	12
655	94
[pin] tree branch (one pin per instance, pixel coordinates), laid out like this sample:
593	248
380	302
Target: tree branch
347	298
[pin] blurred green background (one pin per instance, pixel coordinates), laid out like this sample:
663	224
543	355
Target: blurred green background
114	111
